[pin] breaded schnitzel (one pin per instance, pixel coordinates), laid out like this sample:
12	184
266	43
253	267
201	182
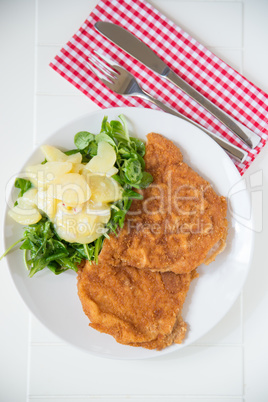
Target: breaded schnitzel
137	307
181	222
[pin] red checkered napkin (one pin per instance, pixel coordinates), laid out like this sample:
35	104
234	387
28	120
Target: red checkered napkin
197	65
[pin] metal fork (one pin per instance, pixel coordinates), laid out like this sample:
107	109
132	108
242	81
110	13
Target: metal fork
121	81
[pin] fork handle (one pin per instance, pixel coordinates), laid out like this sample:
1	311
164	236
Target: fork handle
237	153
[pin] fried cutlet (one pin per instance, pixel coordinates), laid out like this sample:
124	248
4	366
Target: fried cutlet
180	223
137	307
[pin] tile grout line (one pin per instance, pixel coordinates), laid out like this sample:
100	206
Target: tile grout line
117	397
34	144
52	344
35	73
80	94
123	397
243	345
29	357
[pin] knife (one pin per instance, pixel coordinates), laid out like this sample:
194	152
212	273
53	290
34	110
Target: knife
140	51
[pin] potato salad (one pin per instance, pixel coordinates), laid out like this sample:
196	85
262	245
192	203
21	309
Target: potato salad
75	196
71	201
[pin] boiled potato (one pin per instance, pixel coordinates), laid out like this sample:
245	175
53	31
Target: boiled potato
29	199
76	226
112	171
104	189
104	218
104	160
98	231
25	216
73	195
75	158
103	211
77	168
47	203
72	189
53	154
26	212
40	175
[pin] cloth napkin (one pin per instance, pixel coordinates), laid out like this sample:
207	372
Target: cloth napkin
185	55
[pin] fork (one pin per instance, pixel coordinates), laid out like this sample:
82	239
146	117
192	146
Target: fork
122	82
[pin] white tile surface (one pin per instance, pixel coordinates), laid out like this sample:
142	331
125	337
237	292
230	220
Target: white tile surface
229	364
41	335
255	42
16	128
97	376
52	112
48	82
58	20
201	18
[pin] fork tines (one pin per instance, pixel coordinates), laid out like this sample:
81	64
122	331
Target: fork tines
102	66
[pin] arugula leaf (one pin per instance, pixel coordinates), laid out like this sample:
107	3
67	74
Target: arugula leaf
105	126
45	250
10	248
123	128
128	193
83	139
91	151
104	137
24	185
146	180
138	145
133	171
98	247
56	268
71	152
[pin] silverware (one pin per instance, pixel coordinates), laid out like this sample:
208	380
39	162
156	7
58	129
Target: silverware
123	82
139	50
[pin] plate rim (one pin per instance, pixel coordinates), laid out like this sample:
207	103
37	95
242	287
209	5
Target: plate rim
154	352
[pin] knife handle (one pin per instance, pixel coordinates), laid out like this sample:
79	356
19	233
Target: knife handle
246	135
237	153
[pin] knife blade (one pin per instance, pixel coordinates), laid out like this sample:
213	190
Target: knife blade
140	51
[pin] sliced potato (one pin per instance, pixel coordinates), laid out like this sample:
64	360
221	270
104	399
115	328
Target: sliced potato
104	160
104	218
40	175
72	189
26	212
77	168
75	158
103	211
53	154
47	203
98	231
29	199
76	226
104	189
112	171
25	216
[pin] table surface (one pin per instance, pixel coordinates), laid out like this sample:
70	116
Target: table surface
227	364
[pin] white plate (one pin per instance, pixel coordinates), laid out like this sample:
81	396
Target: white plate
53	299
